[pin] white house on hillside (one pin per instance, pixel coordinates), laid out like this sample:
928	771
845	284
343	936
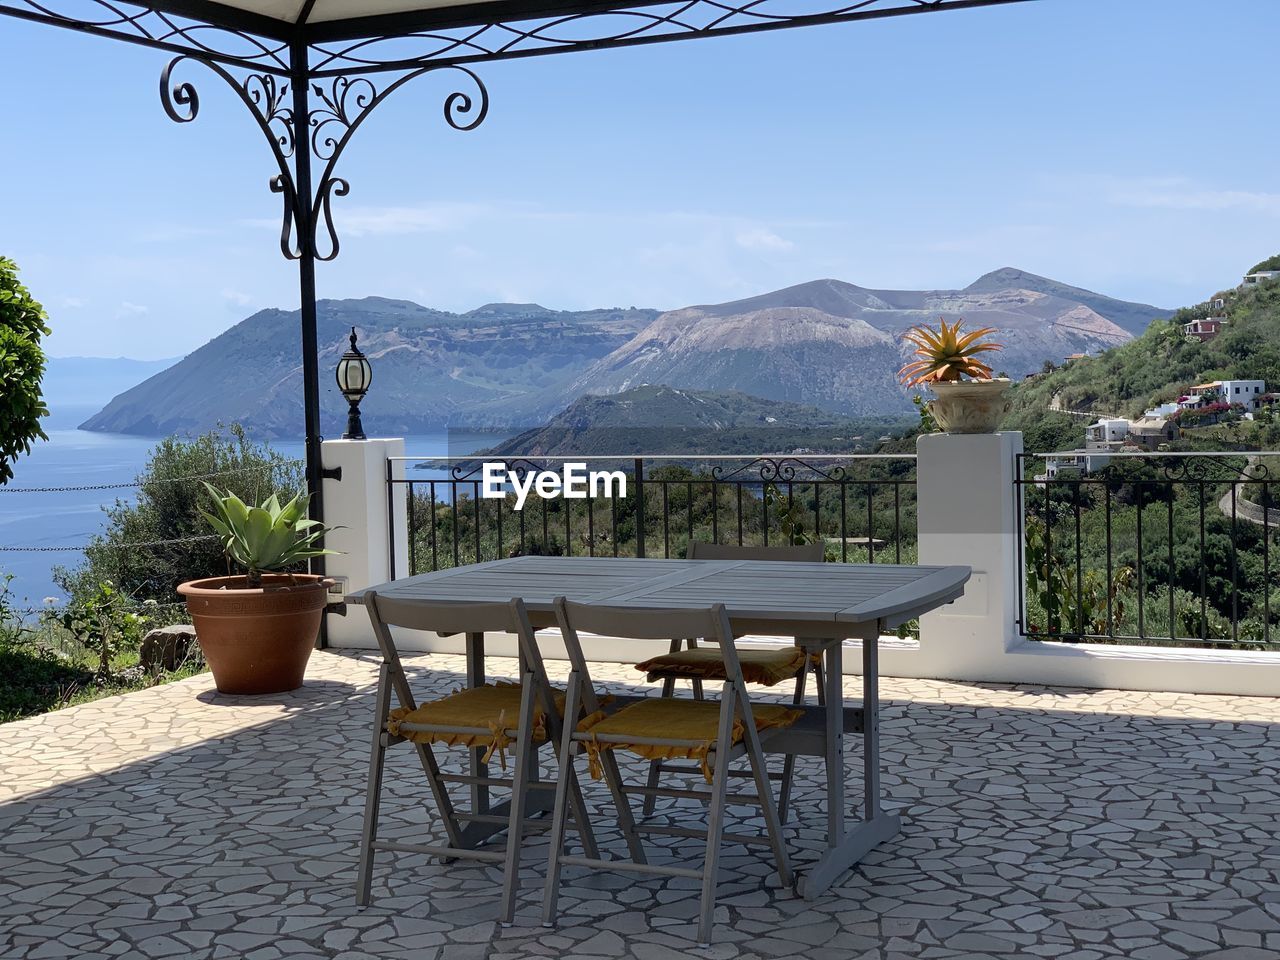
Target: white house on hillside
1163	410
1244	392
1106	433
1076	462
1260	276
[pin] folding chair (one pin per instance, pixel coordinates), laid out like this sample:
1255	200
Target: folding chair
524	716
716	734
767	666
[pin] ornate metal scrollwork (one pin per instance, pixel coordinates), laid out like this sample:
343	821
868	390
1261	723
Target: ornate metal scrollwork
778	470
344	103
267	97
1218	468
341	104
469	470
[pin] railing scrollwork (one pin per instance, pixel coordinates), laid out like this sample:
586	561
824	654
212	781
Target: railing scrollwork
779	470
339	105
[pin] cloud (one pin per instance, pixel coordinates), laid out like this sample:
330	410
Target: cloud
763	239
72	303
237	298
128	309
1179	193
400	220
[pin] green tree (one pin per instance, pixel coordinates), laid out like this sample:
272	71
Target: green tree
154	543
22	324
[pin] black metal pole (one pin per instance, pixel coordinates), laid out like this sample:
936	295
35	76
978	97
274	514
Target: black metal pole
639	481
299	79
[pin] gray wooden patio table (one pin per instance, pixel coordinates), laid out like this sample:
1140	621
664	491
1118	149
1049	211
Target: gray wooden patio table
819	604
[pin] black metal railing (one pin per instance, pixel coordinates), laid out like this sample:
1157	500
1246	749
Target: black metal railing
1161	548
862	507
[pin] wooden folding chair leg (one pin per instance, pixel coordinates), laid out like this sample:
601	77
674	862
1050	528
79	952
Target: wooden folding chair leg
586	834
519	793
559	812
373	789
655	766
789	762
613	777
715	822
452	829
773	825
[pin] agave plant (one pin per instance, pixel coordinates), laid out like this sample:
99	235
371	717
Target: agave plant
946	354
267	537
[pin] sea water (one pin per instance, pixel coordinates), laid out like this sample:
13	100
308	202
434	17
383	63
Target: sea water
79	458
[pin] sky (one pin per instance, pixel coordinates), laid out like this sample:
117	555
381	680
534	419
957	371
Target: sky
1127	146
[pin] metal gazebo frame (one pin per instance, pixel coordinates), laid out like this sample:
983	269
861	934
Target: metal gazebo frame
310	84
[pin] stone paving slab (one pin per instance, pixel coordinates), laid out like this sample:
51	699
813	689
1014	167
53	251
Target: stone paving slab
1038	823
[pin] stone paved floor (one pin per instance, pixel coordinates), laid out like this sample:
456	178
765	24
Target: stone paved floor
1039	823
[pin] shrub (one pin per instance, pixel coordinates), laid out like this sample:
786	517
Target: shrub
168	508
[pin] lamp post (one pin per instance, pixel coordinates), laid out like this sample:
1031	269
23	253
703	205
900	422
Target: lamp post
354	376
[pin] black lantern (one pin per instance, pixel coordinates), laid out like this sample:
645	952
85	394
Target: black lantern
354	376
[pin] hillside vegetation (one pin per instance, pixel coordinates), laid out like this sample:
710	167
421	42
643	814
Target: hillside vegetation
664	420
1158	366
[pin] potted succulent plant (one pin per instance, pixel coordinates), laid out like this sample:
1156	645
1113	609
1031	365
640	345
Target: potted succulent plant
257	630
967	399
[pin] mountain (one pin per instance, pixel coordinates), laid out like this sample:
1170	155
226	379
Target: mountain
73	381
1132	317
797	354
838	345
427	366
664	420
825	343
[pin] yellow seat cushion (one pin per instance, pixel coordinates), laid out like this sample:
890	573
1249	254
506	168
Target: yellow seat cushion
694	721
491	707
767	666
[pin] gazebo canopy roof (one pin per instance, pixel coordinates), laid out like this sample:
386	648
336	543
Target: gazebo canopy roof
364	36
306	70
355	19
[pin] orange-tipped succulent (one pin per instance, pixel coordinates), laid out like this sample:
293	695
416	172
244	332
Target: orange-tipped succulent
946	354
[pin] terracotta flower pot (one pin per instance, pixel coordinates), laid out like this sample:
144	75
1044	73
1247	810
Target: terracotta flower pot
970	406
257	640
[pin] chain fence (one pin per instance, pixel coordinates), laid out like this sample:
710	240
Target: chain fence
40	624
136	545
134	484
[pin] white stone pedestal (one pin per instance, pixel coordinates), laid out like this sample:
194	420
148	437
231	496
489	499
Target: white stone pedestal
966	514
358	505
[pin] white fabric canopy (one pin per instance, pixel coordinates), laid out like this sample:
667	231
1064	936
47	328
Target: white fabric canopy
350	19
